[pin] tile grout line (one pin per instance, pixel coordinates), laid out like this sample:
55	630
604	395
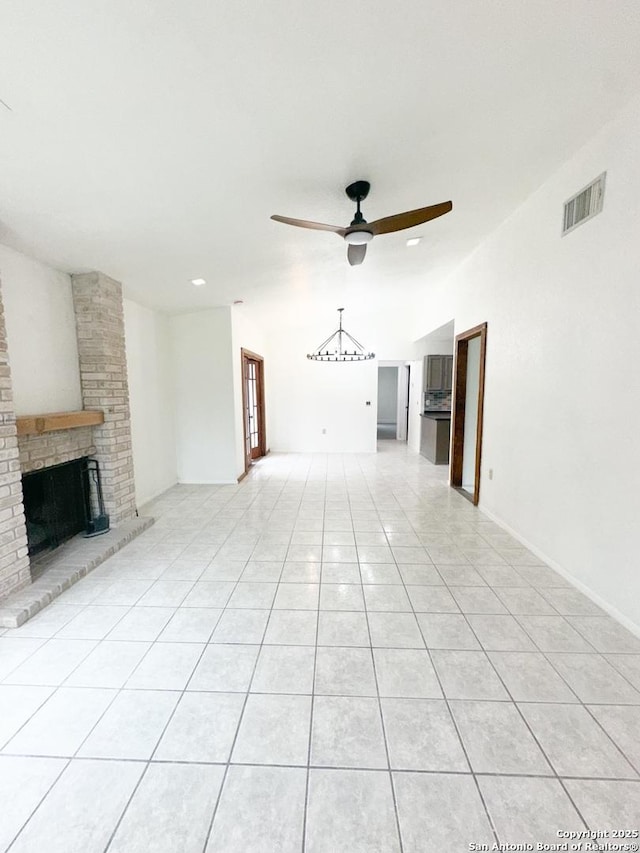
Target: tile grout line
538	650
124	687
38	804
586	705
451	717
380	711
309	646
56	689
384	734
519	711
556	775
162	733
237	731
313	687
351	767
5	744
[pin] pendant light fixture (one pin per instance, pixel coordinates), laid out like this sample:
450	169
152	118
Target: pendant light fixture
337	347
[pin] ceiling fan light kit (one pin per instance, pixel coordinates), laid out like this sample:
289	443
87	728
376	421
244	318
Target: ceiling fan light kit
358	238
360	232
337	347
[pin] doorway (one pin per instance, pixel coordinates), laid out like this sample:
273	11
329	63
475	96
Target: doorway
470	352
255	441
404	374
387	422
393	401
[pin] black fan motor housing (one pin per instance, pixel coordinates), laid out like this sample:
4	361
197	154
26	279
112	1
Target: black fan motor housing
358	191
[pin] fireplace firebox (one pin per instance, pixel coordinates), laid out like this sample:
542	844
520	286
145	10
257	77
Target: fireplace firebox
57	504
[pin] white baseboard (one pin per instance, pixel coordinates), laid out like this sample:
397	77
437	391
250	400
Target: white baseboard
593	596
208	482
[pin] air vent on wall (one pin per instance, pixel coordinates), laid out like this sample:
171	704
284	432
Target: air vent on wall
584	205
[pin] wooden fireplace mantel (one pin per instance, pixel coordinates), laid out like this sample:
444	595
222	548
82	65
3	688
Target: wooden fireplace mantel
38	424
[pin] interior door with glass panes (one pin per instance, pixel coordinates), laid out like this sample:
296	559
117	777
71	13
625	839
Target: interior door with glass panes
253	396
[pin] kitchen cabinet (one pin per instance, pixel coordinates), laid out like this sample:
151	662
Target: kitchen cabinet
434	437
439	373
448	373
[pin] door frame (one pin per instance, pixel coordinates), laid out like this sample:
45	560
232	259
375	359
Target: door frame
404	373
402	396
459	403
247	355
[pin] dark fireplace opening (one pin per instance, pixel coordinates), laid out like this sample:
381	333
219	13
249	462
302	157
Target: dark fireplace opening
56	504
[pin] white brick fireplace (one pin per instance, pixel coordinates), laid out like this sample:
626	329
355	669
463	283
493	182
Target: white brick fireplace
28	444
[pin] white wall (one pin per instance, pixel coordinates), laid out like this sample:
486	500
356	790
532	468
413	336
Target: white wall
402	413
416	404
562	403
387	395
437	342
306	397
41	335
204	396
149	368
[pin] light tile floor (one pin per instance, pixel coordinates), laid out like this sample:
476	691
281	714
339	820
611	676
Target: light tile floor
339	654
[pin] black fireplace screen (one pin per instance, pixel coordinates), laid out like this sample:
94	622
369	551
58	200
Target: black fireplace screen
56	504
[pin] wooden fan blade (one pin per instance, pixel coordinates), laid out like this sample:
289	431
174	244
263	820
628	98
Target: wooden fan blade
407	220
304	223
356	253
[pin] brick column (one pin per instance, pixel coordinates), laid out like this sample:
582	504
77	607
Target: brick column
97	300
14	559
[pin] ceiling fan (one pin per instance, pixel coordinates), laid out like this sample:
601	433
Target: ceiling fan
361	232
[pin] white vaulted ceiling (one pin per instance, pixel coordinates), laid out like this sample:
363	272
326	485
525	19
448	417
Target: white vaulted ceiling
153	139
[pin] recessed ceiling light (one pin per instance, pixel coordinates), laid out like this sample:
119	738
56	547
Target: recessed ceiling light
413	241
198	282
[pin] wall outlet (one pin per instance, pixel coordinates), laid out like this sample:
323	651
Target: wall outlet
491	473
324	432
